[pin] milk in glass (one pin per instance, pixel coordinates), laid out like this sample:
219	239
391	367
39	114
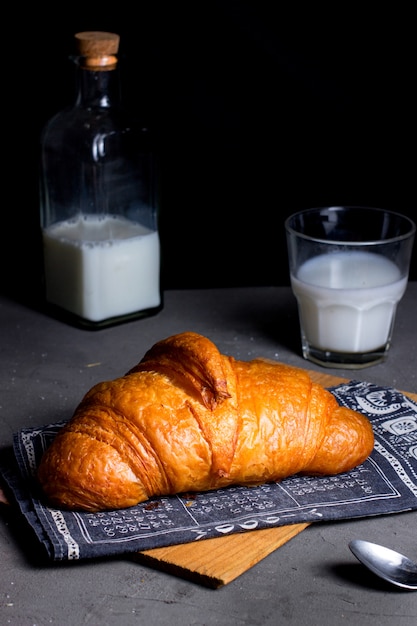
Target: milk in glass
347	300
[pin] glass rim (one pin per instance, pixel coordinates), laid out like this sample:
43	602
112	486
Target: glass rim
367	242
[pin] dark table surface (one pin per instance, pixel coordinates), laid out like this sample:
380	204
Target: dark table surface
45	368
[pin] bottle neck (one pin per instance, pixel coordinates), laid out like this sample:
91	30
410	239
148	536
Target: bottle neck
98	88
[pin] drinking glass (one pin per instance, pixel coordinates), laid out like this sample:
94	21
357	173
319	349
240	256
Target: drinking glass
349	269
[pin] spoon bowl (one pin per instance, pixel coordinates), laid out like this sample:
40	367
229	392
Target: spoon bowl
386	563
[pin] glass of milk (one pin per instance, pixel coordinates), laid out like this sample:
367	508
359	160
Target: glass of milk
349	269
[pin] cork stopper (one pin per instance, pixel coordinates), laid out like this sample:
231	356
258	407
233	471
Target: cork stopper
97	49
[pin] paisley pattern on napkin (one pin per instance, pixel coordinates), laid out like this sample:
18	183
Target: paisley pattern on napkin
385	483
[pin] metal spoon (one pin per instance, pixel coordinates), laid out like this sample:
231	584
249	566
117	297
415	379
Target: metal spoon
388	564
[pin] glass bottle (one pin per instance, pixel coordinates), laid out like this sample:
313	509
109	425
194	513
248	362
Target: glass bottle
99	202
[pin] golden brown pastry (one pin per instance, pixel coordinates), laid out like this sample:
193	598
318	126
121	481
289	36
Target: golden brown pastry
188	418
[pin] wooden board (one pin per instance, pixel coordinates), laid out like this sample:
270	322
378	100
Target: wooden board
216	562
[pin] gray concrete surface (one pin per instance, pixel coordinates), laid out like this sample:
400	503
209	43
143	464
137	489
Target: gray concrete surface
45	368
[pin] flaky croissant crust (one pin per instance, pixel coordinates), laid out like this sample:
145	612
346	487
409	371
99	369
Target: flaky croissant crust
188	418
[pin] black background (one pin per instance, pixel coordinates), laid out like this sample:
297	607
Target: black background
258	109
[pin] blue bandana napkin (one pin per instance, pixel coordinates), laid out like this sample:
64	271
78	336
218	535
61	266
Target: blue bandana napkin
385	483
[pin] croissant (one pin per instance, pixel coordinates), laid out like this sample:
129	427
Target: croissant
188	418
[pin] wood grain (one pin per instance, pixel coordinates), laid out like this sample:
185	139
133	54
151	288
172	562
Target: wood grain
216	562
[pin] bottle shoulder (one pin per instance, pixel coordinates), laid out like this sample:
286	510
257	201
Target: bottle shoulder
76	116
80	122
